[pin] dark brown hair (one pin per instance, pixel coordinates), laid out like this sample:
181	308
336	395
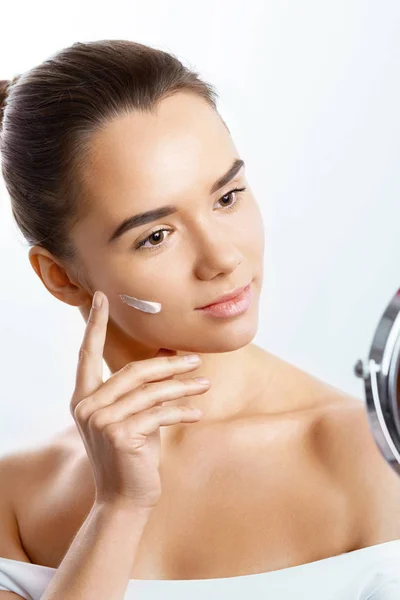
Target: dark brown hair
50	112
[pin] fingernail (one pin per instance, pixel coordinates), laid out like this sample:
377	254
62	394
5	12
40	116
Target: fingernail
192	358
97	300
202	380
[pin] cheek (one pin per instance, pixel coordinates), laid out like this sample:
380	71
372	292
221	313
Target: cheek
161	283
259	227
252	228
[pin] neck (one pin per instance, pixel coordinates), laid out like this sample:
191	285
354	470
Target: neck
229	373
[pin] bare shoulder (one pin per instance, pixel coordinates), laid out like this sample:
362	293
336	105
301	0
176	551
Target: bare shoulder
344	438
341	440
345	435
10	485
23	474
35	463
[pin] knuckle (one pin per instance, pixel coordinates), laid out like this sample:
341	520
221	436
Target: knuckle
80	412
154	410
114	433
130	366
73	404
95	422
92	317
173	361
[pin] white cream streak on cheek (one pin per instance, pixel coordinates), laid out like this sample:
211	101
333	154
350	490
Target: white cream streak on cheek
143	305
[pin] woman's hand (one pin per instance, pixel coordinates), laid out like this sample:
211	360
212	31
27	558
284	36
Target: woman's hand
119	419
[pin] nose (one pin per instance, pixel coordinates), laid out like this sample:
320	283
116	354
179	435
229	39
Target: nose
217	253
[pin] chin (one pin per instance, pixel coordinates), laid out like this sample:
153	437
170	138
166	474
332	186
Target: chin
231	338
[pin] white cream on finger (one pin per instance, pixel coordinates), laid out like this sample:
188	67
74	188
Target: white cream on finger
143	305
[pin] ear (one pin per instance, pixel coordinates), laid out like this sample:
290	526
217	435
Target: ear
59	279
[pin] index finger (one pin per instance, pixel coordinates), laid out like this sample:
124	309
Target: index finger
89	373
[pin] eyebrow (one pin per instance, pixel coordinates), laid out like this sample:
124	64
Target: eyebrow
169	209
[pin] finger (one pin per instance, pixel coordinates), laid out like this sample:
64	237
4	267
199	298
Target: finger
132	377
145	398
89	373
147	422
166	352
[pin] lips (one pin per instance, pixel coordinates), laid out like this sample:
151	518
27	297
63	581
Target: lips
227	296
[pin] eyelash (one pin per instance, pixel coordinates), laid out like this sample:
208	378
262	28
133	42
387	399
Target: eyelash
229	208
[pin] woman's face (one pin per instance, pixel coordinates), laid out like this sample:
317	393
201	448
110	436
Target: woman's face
212	242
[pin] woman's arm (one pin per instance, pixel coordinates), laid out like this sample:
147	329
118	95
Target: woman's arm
10	543
99	561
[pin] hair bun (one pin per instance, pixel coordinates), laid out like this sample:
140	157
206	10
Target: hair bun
5	85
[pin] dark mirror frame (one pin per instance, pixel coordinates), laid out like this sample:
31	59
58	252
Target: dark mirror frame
380	373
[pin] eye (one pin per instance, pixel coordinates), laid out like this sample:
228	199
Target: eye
229	195
155	236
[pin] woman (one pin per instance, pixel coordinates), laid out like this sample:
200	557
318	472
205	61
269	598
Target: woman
124	179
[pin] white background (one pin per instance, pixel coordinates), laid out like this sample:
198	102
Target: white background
311	93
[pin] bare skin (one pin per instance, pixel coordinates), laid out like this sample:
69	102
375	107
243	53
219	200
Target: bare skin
262	491
281	469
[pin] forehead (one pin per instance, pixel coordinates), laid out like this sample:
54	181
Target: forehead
138	160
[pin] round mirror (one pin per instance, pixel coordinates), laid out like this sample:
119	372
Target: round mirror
381	375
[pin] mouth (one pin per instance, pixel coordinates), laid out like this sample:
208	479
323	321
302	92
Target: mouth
227	296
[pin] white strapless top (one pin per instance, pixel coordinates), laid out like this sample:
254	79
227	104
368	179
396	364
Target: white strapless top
371	573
